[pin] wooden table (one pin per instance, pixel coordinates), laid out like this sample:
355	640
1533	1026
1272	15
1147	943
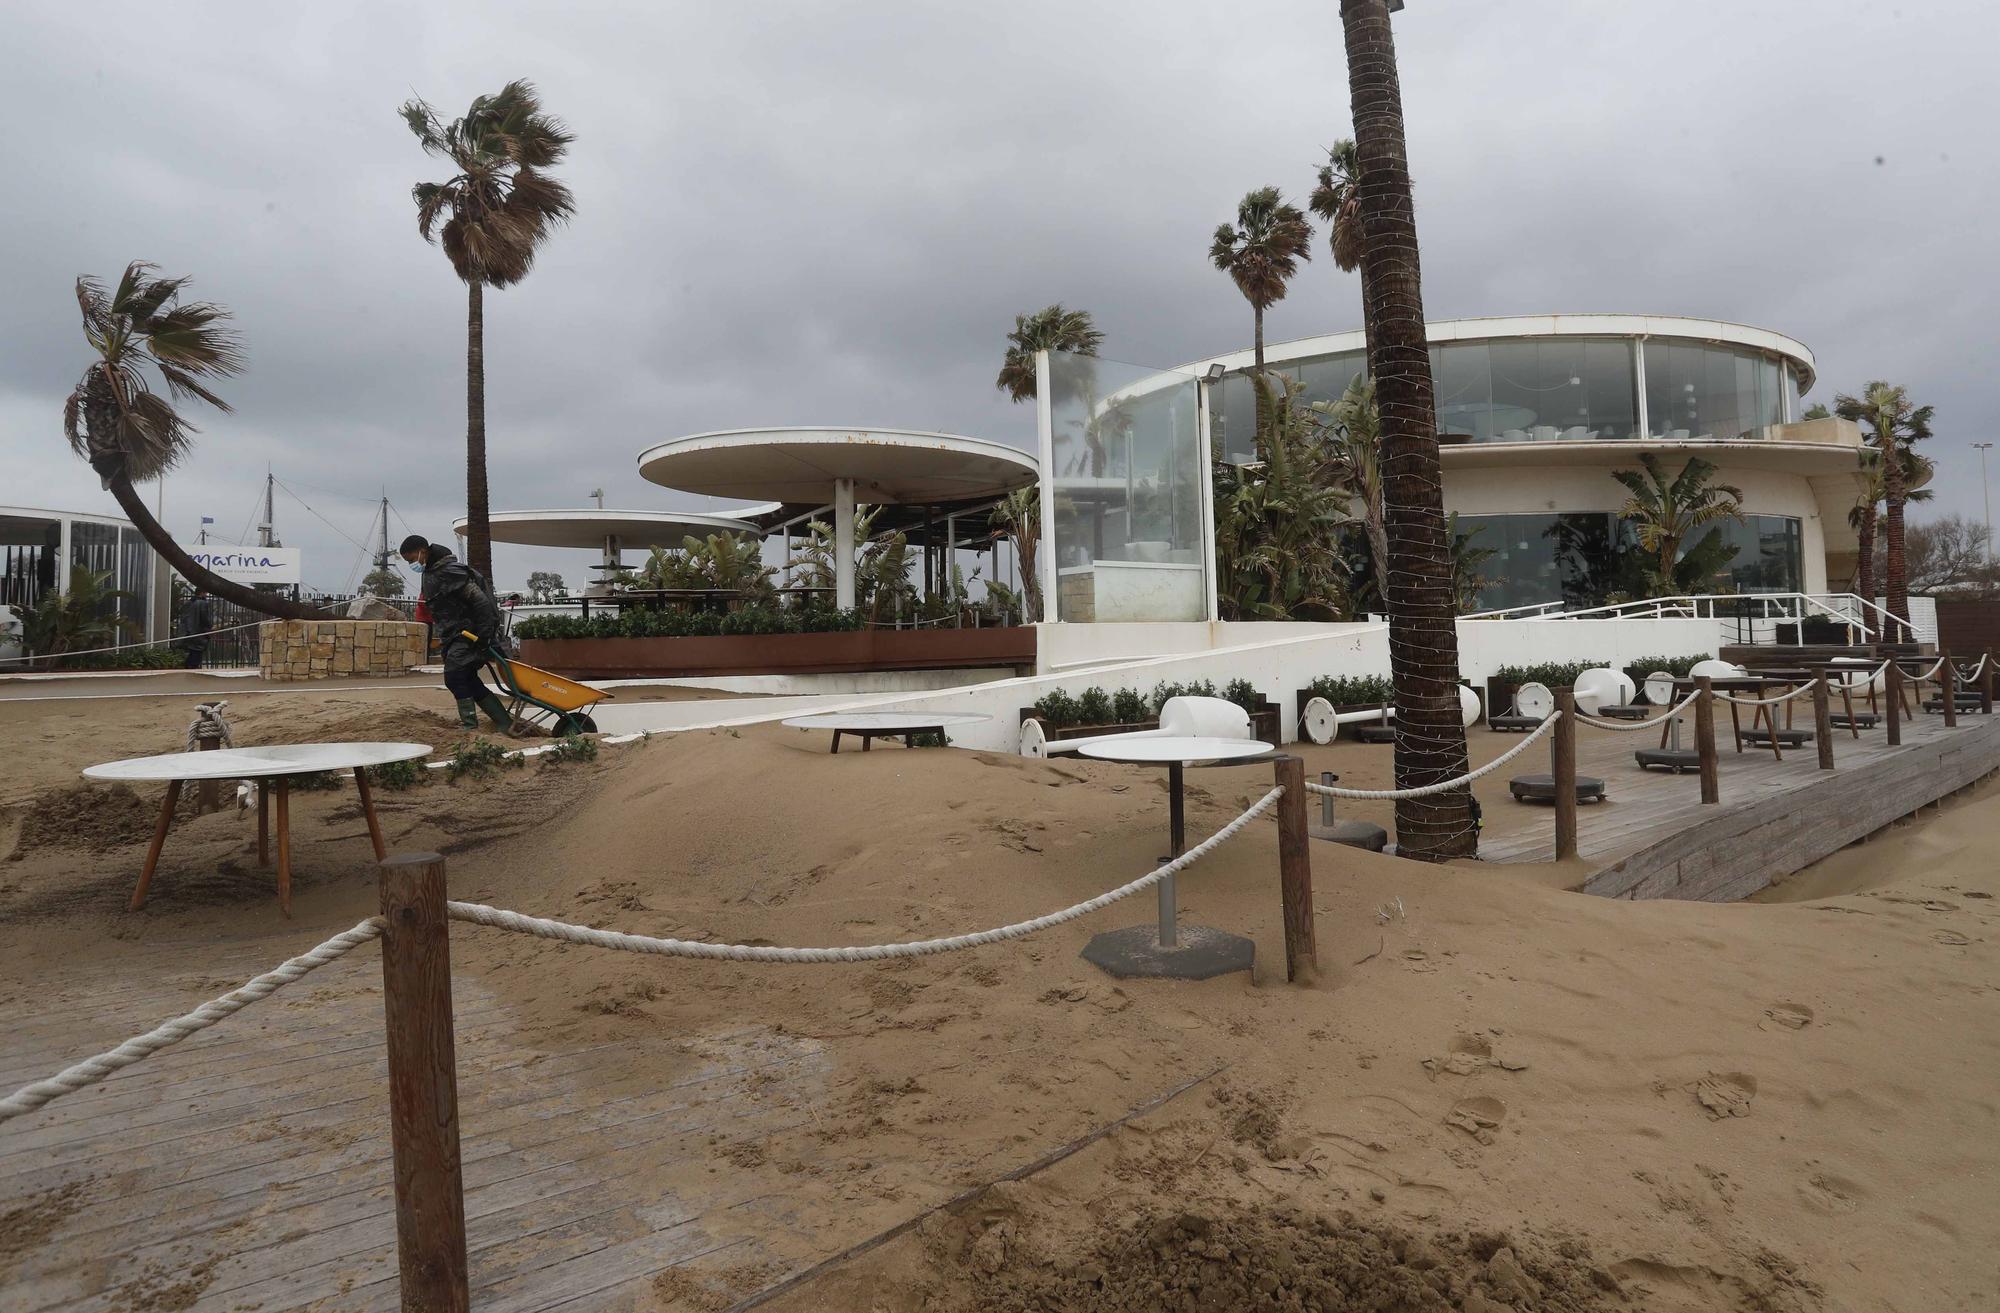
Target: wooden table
271	768
871	725
1836	683
1738	684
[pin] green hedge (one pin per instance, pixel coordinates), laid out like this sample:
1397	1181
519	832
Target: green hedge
635	623
1679	667
1128	706
1553	674
1351	690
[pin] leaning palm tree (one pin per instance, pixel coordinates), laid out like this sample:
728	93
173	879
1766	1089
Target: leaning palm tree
1892	424
1666	512
130	433
1423	633
1051	328
1260	253
493	213
1337	199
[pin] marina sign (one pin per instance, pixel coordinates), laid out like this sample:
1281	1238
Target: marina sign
247	565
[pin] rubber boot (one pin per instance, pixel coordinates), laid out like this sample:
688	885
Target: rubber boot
497	713
468	714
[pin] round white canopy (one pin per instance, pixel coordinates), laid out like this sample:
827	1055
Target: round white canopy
590	528
806	464
256	762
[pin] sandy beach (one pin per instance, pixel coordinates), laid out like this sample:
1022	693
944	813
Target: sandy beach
1495	1093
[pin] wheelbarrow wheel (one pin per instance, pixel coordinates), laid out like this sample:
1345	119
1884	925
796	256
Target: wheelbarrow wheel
576	722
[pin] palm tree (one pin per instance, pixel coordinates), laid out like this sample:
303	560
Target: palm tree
495	212
128	432
1261	253
1019	516
1051	328
1864	517
1892	424
1357	452
1423	632
1337	199
1665	513
1277	524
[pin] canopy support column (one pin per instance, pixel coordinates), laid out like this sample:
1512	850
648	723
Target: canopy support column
843	544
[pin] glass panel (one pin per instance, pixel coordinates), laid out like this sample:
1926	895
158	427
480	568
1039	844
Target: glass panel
1770	399
1769	555
135	576
1232	419
1792	410
1695	391
1127	521
1326	378
1462	380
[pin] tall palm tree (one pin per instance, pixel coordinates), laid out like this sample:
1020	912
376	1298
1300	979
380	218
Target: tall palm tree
130	433
1892	424
1337	199
1666	512
1260	253
1051	328
1423	632
495	212
1864	517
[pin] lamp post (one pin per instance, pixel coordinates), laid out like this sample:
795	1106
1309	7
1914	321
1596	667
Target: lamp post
1986	492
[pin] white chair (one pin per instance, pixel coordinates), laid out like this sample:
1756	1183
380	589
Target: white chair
1601	686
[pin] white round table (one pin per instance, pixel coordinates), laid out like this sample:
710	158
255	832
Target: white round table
1176	754
871	725
270	765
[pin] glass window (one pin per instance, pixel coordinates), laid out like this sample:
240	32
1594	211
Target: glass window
1536	389
1591	558
1462	381
1695	391
1792	412
135	576
1326	378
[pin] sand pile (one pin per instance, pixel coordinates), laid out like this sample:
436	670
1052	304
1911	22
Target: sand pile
94	816
275	721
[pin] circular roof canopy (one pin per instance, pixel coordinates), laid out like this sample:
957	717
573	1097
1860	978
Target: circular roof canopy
589	528
800	465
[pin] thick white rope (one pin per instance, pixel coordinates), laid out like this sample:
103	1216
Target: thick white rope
1633	726
1442	786
209	723
1799	692
479	914
92	1070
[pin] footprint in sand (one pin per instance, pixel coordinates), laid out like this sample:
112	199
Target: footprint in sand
1725	1094
1950	938
1478	1116
1831	1194
1786	1016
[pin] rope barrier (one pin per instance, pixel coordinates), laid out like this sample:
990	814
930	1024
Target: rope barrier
129	647
1442	786
479	914
92	1070
1631	727
1799	692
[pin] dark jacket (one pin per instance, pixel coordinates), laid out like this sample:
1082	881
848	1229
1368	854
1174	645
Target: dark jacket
196	620
459	599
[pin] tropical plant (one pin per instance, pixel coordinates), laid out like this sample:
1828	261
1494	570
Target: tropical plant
1423	634
82	617
490	217
1467	558
1864	517
636	622
1019	516
1356	447
1260	252
720	562
1891	425
545	586
384	581
881	571
1665	514
1277	524
130	433
1051	328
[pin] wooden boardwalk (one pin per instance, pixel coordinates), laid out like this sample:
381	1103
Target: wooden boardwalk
1774	816
249	1168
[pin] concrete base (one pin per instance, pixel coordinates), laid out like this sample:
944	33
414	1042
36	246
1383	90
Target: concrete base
1203	952
1676	760
1542	788
1375	733
1355	834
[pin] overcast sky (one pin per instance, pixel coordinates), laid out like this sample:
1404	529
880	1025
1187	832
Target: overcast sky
810	213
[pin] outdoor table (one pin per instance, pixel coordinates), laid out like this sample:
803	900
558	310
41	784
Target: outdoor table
270	767
1836	683
1756	684
1138	956
871	725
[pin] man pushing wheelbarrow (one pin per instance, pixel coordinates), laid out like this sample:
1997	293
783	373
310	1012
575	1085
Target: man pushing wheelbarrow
467	621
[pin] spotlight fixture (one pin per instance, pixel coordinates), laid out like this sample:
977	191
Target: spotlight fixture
1214	374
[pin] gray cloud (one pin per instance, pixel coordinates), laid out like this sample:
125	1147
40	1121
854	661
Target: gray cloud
799	213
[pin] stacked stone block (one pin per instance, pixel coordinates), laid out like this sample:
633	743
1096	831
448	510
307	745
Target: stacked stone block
338	649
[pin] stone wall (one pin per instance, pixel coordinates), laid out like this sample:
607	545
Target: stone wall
338	649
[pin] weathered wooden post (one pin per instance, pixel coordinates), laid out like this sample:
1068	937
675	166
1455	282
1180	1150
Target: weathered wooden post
1893	695
1823	719
1295	879
1562	753
1948	688
208	793
423	1085
1986	682
1704	740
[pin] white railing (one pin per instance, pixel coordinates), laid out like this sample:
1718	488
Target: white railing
1745	617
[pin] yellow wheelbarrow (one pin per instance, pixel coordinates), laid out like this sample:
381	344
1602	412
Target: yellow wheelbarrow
541	697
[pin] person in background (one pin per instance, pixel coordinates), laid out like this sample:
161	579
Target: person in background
197	618
467	622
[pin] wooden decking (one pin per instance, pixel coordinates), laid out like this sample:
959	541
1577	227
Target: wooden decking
248	1168
1652	838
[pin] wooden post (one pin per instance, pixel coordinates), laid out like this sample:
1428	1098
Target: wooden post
1823	720
1295	878
423	1085
1986	683
207	795
1948	688
1562	752
1704	740
1893	696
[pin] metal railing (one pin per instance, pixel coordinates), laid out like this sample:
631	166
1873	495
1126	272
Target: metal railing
1746	617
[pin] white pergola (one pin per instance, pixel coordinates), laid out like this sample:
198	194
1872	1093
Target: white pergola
817	466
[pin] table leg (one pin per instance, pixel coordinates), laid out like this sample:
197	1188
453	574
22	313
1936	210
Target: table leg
159	842
867	742
368	810
1169	933
1847	703
836	742
263	788
1736	726
1771	728
284	845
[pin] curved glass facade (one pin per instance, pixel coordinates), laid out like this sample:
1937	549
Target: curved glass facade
1590	558
1551	389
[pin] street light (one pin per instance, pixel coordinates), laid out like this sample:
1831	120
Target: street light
1986	491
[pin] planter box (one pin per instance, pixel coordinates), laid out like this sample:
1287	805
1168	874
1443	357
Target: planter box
783	654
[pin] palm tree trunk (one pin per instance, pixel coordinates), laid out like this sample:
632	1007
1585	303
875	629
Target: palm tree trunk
478	539
1423	632
134	506
1864	569
1896	587
1378	547
1261	398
